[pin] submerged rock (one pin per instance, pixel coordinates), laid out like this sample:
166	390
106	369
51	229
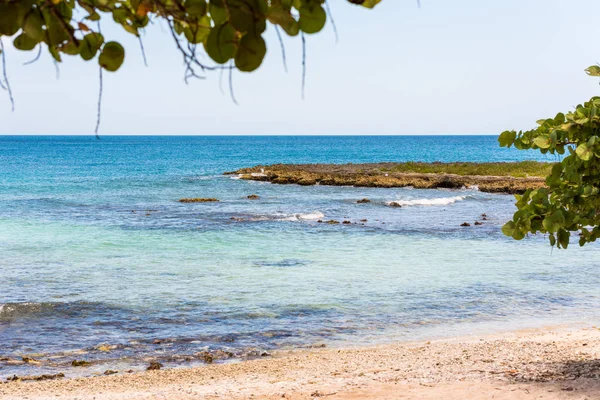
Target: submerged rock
365	200
395	204
253	197
465	224
333	222
30	360
42	377
198	200
80	363
154	365
363	220
205	356
110	372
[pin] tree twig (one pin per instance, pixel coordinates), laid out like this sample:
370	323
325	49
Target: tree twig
231	84
37	57
6	81
283	56
335	32
303	64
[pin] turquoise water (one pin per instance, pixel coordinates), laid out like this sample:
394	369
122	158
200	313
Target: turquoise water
95	249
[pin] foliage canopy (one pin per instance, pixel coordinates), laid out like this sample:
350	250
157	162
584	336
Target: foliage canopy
228	30
571	201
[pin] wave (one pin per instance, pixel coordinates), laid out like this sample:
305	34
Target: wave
442	201
312	216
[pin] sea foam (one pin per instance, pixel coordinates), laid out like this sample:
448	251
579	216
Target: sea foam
442	201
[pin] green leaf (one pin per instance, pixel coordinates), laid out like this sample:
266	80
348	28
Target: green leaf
366	3
33	26
112	56
282	17
594	70
196	8
90	45
563	238
554	221
9	19
251	52
507	138
509	228
221	43
312	18
24	42
542	141
217	13
584	152
196	33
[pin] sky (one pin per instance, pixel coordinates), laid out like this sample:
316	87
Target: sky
449	67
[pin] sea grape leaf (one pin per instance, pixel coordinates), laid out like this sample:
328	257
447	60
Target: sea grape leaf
112	56
250	53
221	43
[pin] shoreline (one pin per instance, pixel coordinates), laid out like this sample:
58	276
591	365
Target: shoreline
550	363
510	178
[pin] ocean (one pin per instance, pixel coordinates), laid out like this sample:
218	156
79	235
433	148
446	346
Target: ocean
100	262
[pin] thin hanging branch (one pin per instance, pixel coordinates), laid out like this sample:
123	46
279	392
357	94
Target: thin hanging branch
56	69
6	85
143	51
37	57
221	82
303	64
100	89
99	110
231	84
283	56
335	32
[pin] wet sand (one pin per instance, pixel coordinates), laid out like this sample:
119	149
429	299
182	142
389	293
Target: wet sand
550	363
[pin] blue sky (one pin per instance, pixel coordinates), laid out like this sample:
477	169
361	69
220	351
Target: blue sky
450	67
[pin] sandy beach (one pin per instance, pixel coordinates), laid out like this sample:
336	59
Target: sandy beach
550	363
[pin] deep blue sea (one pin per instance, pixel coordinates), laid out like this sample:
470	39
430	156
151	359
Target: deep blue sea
100	262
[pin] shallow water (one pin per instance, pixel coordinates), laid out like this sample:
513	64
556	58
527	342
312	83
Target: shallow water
95	249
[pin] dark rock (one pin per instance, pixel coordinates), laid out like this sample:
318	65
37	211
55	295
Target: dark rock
154	366
156	341
363	201
199	200
333	222
43	377
205	356
478	223
29	360
346	222
320	221
363	220
253	197
110	372
395	204
81	363
465	224
222	354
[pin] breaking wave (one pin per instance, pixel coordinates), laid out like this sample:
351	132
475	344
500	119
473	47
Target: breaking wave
442	201
312	216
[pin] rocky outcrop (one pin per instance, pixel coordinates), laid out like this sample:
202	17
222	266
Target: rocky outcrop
383	175
199	200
